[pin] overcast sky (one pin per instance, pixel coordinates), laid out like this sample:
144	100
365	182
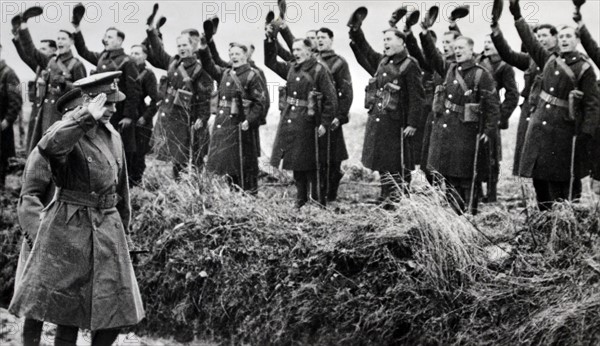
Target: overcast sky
244	21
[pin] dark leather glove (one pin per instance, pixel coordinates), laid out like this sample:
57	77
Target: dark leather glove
208	29
577	17
78	12
151	17
515	9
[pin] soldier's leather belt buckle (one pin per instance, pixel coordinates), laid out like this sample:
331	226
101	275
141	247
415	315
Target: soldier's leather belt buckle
553	100
88	199
296	102
454	107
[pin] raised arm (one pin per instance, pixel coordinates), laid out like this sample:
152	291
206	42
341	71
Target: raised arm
590	45
362	60
365	48
288	37
279	67
24	57
215	55
83	51
208	64
511	95
160	58
61	138
535	49
29	49
432	55
516	59
413	50
283	53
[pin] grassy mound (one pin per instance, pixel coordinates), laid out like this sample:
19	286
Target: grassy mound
237	269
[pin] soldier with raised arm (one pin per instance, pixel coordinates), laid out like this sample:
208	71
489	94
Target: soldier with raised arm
235	142
564	117
394	99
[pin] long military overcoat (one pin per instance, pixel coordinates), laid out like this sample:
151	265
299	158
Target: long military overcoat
382	149
224	147
172	134
548	145
296	141
79	272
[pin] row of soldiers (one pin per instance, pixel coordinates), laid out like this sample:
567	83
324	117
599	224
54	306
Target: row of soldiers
440	110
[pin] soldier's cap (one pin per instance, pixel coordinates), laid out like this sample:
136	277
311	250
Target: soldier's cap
396	32
70	100
98	83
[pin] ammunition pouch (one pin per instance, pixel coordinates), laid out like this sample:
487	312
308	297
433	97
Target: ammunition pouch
575	97
390	97
183	98
472	113
371	93
162	87
536	89
246	104
439	96
32	91
315	103
282	97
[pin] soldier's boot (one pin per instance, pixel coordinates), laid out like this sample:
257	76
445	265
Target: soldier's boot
66	336
32	332
334	182
104	337
251	184
492	192
301	181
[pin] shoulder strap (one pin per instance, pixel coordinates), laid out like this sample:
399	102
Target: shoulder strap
238	83
460	79
186	77
478	75
142	74
404	65
66	70
125	61
570	73
337	65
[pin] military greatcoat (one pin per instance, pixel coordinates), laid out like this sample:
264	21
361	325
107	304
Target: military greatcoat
79	272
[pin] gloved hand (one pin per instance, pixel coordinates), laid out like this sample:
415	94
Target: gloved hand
515	9
150	19
577	17
78	12
503	124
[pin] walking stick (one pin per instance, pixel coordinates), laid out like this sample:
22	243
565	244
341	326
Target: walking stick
572	168
240	148
191	148
402	159
327	178
318	166
472	191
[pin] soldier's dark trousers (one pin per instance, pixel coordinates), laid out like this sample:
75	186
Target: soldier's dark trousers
548	192
333	181
3	171
250	182
142	139
458	192
67	336
32	332
307	181
393	184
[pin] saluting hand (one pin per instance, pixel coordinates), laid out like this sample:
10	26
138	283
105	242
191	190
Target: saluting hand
410	131
96	106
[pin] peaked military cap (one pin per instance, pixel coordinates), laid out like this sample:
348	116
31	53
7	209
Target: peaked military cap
98	83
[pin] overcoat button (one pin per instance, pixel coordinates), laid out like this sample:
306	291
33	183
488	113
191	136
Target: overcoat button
455	81
221	111
445	125
556	73
289	121
89	159
449	96
297	79
544	123
552	89
224	97
379	104
103	66
527	119
548	106
384	74
227	84
295	92
293	108
218	126
377	119
447	111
